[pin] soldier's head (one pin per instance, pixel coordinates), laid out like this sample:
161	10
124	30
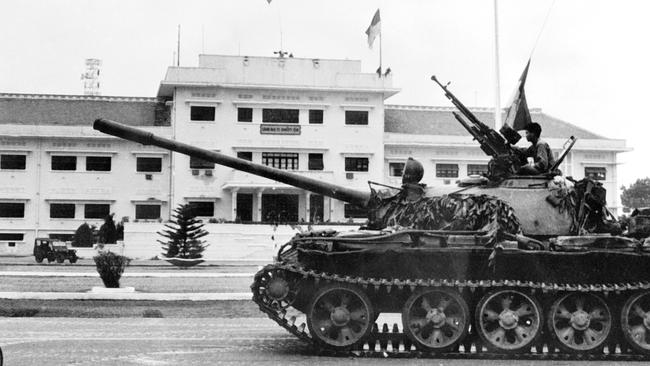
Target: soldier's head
533	131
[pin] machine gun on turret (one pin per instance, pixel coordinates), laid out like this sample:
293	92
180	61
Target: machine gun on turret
505	159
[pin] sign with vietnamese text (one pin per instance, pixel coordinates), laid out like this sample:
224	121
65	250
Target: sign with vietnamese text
279	129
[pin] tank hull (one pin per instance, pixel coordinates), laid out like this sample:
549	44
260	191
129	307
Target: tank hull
580	268
594	294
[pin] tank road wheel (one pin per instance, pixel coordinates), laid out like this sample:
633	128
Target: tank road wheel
635	322
436	320
580	322
508	321
340	316
277	290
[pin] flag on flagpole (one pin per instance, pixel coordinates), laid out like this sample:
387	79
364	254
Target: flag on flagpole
518	115
374	29
268	1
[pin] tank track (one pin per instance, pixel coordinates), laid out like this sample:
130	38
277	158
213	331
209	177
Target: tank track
389	341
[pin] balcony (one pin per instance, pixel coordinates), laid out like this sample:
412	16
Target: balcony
240	179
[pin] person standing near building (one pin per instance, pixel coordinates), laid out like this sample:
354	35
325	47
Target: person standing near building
539	151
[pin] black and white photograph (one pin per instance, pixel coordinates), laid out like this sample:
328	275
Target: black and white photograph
325	182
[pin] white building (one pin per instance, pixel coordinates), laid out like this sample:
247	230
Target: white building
321	118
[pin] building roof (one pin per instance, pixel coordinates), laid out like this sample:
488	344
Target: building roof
75	110
424	120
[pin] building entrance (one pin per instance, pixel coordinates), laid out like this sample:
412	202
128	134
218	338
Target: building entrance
316	204
280	207
245	207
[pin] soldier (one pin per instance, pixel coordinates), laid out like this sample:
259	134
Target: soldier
539	150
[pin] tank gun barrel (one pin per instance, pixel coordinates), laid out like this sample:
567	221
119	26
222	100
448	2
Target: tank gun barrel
310	184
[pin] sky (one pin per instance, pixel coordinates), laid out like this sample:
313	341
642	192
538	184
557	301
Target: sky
590	58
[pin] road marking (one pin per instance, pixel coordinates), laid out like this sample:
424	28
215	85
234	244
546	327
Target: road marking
184	274
160	296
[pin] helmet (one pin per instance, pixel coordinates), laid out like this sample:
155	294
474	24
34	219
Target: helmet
413	172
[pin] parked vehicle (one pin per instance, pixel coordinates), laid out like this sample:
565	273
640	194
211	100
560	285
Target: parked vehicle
53	250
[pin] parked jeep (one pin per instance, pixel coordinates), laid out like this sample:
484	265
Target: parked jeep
53	250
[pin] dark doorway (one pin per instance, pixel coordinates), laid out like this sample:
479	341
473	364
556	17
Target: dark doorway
280	207
316	208
244	207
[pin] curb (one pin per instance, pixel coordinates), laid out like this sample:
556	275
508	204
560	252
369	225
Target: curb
174	296
184	274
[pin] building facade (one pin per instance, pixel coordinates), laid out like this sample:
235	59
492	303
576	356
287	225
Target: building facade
324	119
320	118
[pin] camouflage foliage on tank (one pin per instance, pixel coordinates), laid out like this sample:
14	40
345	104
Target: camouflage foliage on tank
451	212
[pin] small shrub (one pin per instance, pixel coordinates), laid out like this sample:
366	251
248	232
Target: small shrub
18	312
152	313
83	237
110	267
108	231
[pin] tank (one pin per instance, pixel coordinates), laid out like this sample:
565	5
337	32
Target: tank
497	266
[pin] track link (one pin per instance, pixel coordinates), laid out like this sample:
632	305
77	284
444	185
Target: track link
388	341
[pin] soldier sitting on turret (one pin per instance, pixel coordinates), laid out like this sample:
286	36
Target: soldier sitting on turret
539	150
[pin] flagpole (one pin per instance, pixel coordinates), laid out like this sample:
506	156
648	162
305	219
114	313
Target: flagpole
497	92
380	65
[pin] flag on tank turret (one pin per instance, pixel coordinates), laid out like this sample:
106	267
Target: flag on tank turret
518	115
374	29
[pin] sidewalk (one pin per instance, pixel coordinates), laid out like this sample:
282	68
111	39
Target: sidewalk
181	274
83	262
221	296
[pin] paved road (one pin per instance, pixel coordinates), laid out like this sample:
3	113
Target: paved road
160	342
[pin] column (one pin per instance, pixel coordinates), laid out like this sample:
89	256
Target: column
234	204
258	211
328	210
307	206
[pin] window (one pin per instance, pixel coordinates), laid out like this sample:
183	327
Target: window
62	210
596	173
278	115
62	237
96	210
477	169
315	162
11	237
98	163
286	161
316	116
201	208
202	113
356	117
244	114
354	212
395	169
446	170
356	164
198	163
147	212
12	209
149	165
62	162
246	155
16	162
